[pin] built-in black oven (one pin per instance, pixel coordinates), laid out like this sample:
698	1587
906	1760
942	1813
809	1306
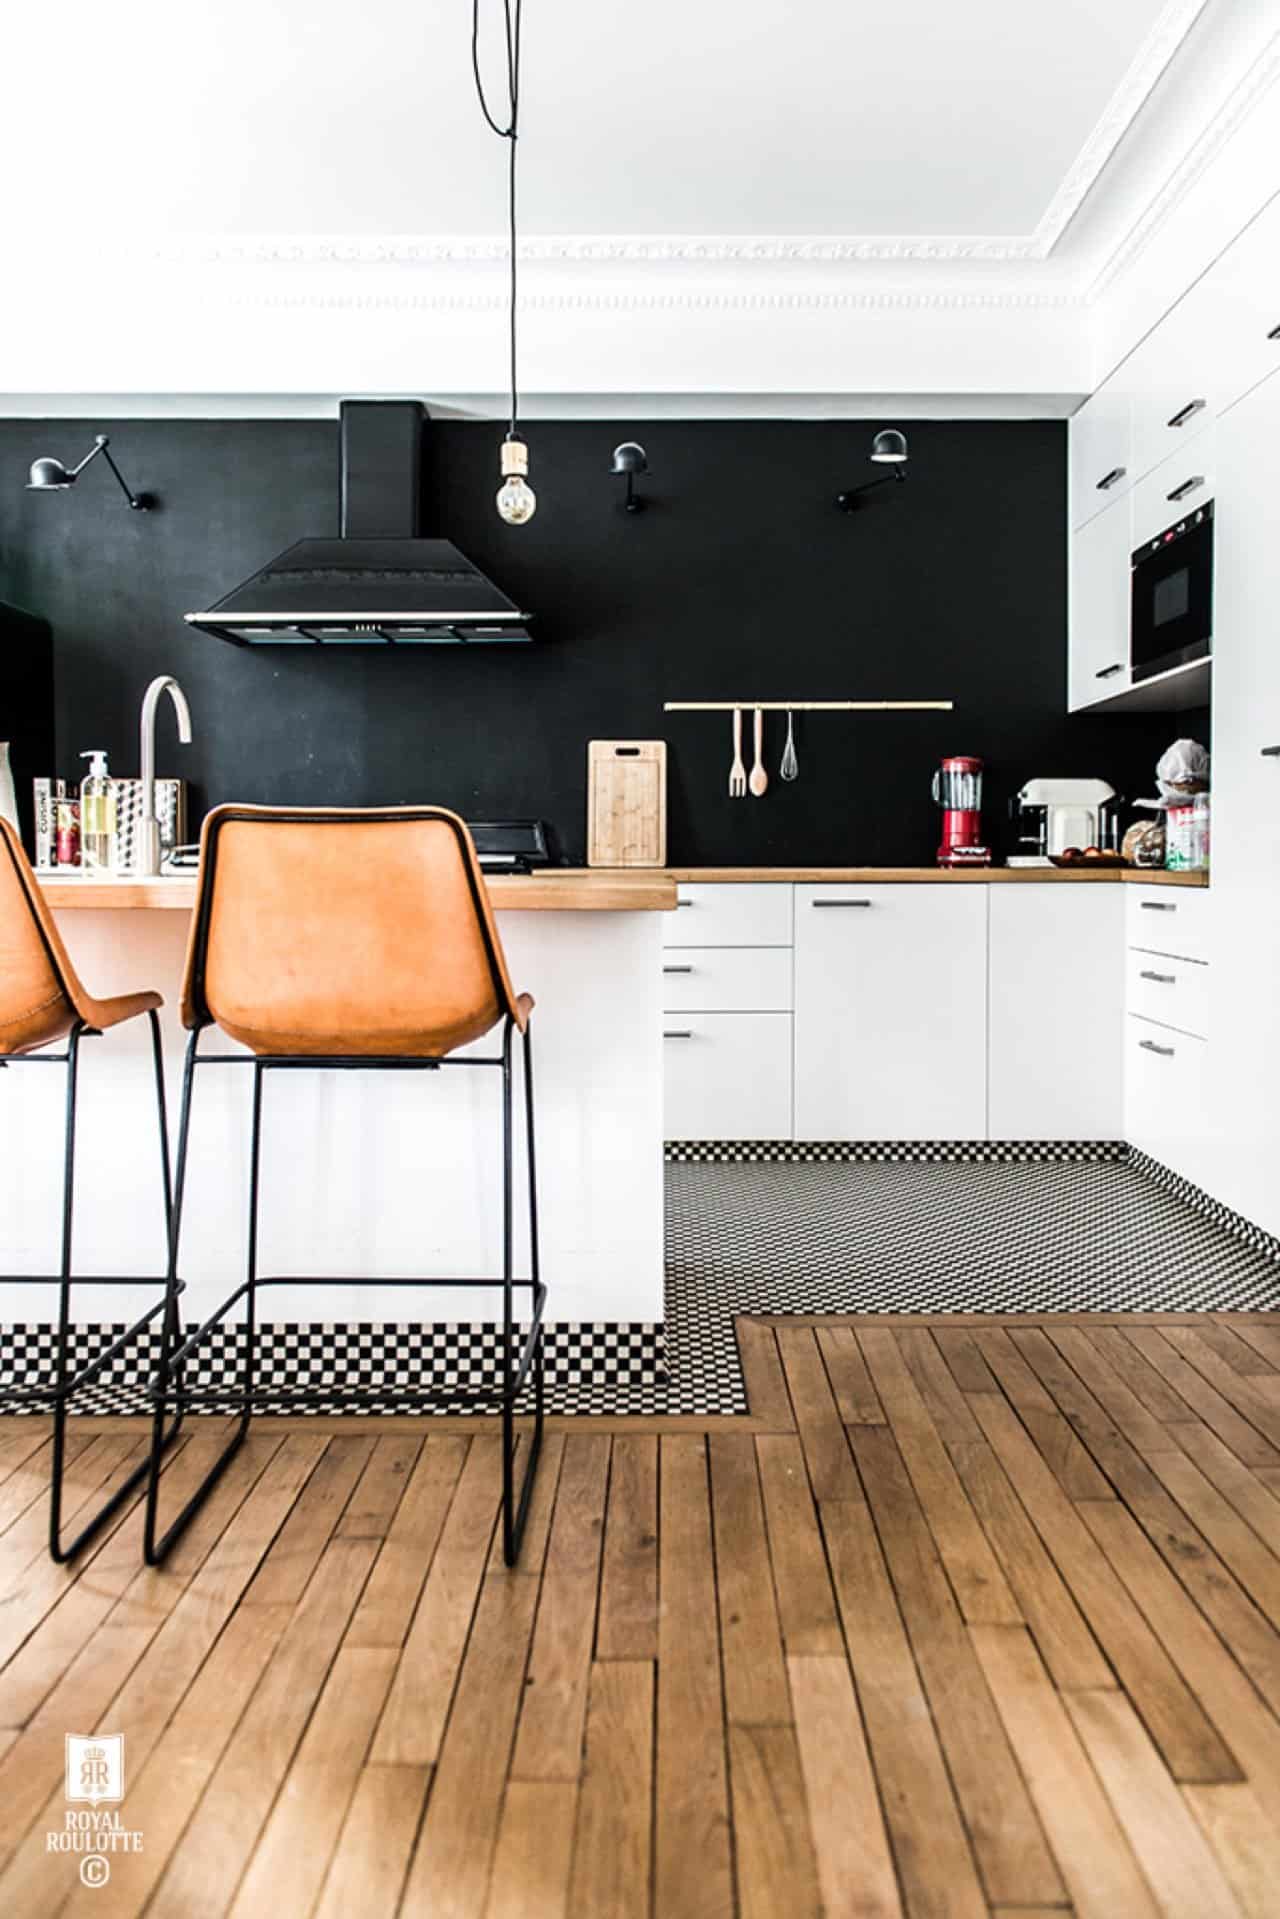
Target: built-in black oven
1171	598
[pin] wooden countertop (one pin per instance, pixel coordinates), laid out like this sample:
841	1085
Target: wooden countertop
939	876
567	890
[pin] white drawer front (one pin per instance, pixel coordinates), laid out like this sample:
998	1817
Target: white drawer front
1173	991
1164	1095
727	1076
728	914
1176	488
727	979
1168	919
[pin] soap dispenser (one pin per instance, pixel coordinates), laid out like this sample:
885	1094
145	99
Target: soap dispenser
97	815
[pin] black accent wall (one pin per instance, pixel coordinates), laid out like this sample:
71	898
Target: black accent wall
741	579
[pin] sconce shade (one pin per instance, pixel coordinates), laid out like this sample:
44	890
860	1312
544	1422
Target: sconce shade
889	447
48	473
630	458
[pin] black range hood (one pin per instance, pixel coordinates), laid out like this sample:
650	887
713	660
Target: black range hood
380	583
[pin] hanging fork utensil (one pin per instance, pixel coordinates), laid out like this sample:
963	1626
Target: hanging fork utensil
737	772
790	768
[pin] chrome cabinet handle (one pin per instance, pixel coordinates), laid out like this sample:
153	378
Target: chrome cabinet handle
677	969
1187	412
1110	479
1161	979
1105	672
670	1033
840	902
1157	906
1271	752
1149	1046
1188	486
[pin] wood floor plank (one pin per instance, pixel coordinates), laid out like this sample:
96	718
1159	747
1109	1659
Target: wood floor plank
1066	1644
611	1872
856	1398
367	1872
1100	1869
964	1360
542	1502
777	1871
806	1601
934	1862
1204	1399
1109	1389
1190	1746
1166	1839
627	1625
283	1577
981	1588
755	1680
692	1872
409	1538
767	1395
1254	1501
1248	1395
943	1400
1149	1386
223	1832
1235	1542
1062	1450
817	1417
534	1855
450	1870
851	1845
1264	1339
1220	1334
25	1492
1245	1840
1013	1857
292	1856
20	1441
553	1709
417	1706
372	1506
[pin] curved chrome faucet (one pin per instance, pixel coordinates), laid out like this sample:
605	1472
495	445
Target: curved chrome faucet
148	859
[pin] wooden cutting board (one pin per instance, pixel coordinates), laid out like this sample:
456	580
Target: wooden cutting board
627	803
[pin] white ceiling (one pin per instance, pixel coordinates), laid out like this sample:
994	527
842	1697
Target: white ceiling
667	117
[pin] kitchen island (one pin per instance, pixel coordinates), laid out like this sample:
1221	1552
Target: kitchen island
373	1174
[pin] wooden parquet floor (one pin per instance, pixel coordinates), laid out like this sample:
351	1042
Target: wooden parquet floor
970	1618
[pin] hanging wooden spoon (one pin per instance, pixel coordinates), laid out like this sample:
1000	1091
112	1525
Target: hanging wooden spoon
759	781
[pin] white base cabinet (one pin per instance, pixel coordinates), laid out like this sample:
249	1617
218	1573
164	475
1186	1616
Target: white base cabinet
890	1023
728	1076
1056	1012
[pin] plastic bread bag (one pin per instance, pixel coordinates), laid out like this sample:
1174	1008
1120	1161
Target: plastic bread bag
1182	772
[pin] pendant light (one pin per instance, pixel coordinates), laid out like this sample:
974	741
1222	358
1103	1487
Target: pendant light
516	500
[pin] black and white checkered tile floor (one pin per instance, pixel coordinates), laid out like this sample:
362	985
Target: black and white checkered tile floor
805	1230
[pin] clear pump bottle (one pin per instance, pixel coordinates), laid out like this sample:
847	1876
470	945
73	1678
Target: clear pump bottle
97	815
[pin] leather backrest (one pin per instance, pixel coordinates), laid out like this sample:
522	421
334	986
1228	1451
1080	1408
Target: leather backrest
344	932
34	996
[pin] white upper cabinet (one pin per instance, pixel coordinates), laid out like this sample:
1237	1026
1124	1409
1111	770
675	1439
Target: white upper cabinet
891	1012
1242	299
1100	460
1098	653
1175	379
1181	483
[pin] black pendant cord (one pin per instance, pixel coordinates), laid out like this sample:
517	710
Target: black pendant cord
511	11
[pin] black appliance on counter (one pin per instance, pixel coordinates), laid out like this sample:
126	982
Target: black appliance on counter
512	846
1171	596
26	707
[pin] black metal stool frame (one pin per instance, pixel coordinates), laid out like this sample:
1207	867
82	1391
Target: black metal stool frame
65	1385
168	1387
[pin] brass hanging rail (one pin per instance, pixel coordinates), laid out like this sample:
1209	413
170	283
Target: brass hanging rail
809	706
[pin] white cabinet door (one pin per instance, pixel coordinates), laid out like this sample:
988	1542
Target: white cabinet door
1165	1089
1242	293
1175	377
891	1012
1056	1012
1173	490
727	1075
1099	451
1099	608
1244	996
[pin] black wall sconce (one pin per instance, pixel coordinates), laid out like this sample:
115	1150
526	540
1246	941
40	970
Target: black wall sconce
628	460
50	476
889	448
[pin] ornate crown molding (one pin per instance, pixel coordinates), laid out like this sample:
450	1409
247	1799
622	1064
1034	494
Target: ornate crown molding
610	250
579	299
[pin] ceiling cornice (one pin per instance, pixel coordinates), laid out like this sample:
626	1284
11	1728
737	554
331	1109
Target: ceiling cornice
609	250
631	299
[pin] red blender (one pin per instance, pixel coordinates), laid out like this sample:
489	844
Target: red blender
957	788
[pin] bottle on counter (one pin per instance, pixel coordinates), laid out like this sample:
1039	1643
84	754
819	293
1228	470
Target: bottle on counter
97	815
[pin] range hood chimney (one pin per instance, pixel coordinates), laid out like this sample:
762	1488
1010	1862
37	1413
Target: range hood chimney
380	583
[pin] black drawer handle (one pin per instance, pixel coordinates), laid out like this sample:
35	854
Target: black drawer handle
1188	486
1161	979
1187	412
669	1033
1274	334
841	902
1157	906
1149	1046
1271	752
1116	474
677	969
686	902
1105	672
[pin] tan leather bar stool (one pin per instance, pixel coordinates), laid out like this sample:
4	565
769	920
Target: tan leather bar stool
43	1004
364	940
